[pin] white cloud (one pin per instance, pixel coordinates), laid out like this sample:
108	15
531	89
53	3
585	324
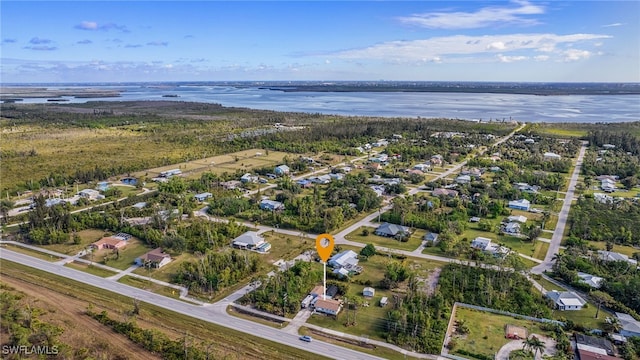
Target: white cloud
158	43
508	59
575	55
612	25
92	26
461	45
487	16
87	25
541	57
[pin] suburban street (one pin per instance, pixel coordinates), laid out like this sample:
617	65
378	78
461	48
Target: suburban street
563	216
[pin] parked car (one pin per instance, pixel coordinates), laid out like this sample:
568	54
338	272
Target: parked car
306	338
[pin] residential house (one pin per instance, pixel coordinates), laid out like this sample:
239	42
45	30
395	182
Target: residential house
375	166
378	189
90	194
248	178
474	219
304	183
630	326
436	159
591	355
139	205
608	146
512	228
480	243
231	184
431	238
271	205
463	179
328	306
517	218
566	300
248	240
368	292
203	196
345	263
608	185
594	344
170	173
444	192
336	176
529	141
614	256
591	280
322	179
155	258
282	170
602	198
392	230
423	167
495	169
129	181
551	156
521	204
109	242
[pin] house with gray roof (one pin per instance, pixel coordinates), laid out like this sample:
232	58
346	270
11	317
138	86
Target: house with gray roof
392	230
591	280
630	326
248	240
614	256
566	300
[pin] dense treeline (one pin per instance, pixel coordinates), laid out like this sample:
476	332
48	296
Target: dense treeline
283	292
627	141
216	270
617	222
622	280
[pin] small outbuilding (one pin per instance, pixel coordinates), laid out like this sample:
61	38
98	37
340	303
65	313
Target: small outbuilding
368	292
515	332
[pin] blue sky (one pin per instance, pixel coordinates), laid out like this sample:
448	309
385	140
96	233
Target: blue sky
118	41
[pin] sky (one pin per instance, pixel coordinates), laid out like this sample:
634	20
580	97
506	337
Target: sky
133	41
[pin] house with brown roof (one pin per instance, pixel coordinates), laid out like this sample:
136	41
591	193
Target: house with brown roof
109	243
155	258
328	306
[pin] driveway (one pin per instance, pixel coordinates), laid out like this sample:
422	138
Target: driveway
503	353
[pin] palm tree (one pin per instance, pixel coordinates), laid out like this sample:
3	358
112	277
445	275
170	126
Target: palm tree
612	324
535	344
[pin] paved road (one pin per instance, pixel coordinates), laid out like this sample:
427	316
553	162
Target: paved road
205	313
563	216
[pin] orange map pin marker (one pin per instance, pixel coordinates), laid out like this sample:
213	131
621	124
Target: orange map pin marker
324	246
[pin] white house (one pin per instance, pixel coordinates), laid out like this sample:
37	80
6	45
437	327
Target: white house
517	218
345	263
614	256
512	228
248	240
248	178
591	280
422	167
522	204
203	196
463	179
480	243
90	194
368	292
551	156
281	170
566	300
328	306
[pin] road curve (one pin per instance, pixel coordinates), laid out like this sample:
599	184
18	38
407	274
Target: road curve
206	313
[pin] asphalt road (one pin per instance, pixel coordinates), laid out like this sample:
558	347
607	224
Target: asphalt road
213	314
563	216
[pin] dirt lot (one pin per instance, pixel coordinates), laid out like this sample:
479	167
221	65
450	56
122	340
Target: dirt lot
80	331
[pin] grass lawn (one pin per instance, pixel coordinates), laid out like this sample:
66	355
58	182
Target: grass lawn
126	256
551	223
546	235
247	316
414	241
94	270
285	247
150	286
86	237
584	317
487	330
622	249
537	249
166	272
548	285
31	252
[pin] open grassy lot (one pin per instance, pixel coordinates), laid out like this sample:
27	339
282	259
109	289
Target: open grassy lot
622	249
584	317
94	270
240	160
548	285
414	241
87	237
150	286
167	272
75	297
535	249
31	252
285	247
487	330
126	256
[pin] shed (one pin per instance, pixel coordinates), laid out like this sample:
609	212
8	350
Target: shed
515	332
368	292
384	301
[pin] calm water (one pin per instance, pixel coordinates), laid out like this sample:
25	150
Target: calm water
468	106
